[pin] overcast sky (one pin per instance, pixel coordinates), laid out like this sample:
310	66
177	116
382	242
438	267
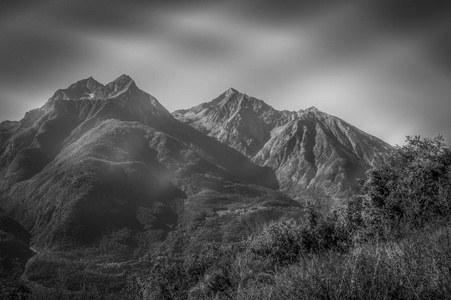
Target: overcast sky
382	65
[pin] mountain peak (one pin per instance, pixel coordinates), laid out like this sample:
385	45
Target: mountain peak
231	91
80	89
123	81
117	87
124	78
90	83
232	97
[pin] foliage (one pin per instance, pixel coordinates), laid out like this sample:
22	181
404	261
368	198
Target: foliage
281	242
409	190
286	241
200	276
418	267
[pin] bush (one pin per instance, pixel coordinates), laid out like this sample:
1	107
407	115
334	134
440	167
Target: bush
280	241
207	274
411	189
286	241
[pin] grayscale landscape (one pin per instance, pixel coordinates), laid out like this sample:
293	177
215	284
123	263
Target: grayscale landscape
249	150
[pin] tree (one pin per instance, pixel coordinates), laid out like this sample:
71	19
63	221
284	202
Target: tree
413	186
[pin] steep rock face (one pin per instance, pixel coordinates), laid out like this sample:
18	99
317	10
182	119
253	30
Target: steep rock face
311	152
98	158
237	120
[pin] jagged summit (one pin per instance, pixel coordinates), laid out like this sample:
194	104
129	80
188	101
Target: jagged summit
123	78
122	82
239	100
90	83
312	108
87	101
308	149
80	89
318	114
117	87
90	88
235	118
231	91
229	94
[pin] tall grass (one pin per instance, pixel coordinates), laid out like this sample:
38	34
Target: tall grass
418	267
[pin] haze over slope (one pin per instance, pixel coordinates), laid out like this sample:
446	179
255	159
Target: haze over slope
310	150
97	158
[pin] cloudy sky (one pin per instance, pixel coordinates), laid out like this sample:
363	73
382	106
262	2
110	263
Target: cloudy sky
382	65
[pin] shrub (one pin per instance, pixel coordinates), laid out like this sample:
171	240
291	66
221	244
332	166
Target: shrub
408	191
279	241
200	276
286	241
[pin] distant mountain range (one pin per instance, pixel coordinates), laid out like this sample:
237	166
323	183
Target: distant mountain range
109	165
310	151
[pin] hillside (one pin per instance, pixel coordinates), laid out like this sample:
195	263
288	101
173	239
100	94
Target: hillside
107	168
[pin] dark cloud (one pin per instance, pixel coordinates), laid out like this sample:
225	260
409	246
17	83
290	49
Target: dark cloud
362	60
9	8
408	15
283	11
28	56
390	14
99	15
438	47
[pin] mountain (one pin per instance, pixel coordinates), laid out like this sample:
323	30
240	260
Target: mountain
107	168
311	152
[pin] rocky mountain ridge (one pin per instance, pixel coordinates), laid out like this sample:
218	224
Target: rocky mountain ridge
109	156
311	152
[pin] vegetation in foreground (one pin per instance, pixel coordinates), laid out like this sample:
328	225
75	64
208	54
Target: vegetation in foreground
391	242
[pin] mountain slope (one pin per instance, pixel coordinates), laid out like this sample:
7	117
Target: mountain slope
94	157
311	152
109	169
